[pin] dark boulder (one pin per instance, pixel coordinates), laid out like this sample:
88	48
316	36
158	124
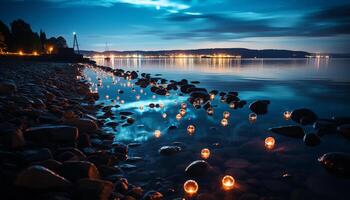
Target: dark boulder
75	170
304	116
169	150
344	130
311	139
290	131
92	189
337	163
197	168
152	195
259	107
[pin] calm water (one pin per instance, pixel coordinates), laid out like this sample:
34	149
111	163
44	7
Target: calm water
238	149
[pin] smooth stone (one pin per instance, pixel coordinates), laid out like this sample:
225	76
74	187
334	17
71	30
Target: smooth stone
36	155
169	150
83	124
126	113
311	139
51	164
290	131
197	168
152	195
344	130
184	88
46	134
259	107
11	136
325	126
122	185
92	189
75	170
303	116
336	163
39	177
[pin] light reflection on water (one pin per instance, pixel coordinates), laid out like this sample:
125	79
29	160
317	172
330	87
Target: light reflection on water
319	84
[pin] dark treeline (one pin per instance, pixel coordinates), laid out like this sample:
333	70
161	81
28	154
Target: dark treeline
20	37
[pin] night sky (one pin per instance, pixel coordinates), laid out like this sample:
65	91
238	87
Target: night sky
315	26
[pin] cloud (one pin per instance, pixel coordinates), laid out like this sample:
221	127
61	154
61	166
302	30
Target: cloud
237	25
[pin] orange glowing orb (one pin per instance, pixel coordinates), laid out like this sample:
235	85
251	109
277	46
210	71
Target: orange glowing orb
191	129
253	117
182	111
224	122
191	187
178	116
226	115
212	96
210	111
287	115
269	142
205	153
157	133
228	182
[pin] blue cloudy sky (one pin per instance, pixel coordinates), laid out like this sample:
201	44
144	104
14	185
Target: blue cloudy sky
312	25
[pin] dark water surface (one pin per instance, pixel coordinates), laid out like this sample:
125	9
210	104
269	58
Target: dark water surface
238	149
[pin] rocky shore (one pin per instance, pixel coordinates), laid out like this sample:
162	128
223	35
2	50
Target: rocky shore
51	146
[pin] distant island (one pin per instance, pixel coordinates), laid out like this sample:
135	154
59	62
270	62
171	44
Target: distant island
216	52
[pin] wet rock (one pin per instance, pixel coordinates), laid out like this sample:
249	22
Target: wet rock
172	127
152	195
36	155
344	130
259	107
206	196
215	92
89	189
337	163
325	127
231	98
122	185
50	164
7	87
194	89
169	150
290	131
130	120
75	170
304	116
197	168
311	139
39	177
83	124
51	134
184	88
126	113
11	136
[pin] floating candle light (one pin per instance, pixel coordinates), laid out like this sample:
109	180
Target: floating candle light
183	105
226	115
190	187
228	182
122	101
118	98
141	91
178	116
167	94
157	133
141	107
161	105
210	111
182	112
287	115
224	122
107	96
269	142
138	97
164	115
253	117
205	153
154	96
191	129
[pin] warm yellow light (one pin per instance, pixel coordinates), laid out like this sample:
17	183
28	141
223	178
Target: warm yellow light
191	129
228	182
252	117
178	116
50	49
182	111
205	153
190	187
224	122
210	111
212	96
20	53
232	105
226	115
269	142
35	53
287	115
157	133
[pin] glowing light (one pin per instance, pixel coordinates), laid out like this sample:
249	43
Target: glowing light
154	96
182	112
269	142
141	107
191	129
178	116
183	105
287	115
224	122
157	133
228	182
122	101
50	50
232	105
164	115
191	187
74	33
138	97
35	53
20	53
107	96
161	105
253	117
226	115
212	96
210	111
205	153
